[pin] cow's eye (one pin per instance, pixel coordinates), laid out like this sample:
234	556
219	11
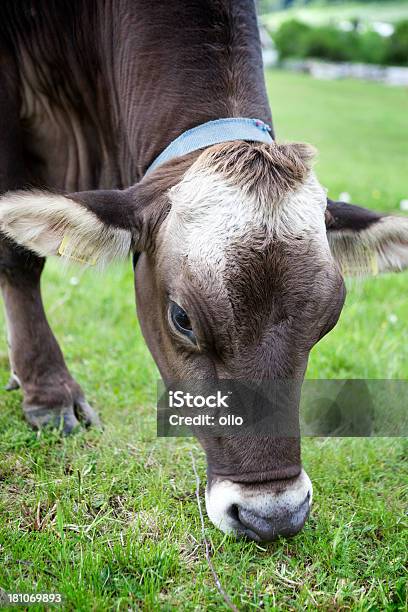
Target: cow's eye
181	321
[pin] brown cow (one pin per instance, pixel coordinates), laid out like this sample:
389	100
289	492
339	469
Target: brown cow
236	275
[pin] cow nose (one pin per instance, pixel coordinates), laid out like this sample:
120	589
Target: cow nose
266	529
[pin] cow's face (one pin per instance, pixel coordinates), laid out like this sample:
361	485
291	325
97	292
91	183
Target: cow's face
236	279
240	286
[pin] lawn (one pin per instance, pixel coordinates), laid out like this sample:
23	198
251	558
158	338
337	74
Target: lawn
345	11
110	519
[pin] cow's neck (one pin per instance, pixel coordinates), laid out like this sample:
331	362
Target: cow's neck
178	64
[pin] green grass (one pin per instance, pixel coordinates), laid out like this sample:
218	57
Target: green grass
110	519
344	11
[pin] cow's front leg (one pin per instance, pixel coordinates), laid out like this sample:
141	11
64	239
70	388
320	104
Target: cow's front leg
51	395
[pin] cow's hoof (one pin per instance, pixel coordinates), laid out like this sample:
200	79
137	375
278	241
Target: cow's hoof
66	418
13	383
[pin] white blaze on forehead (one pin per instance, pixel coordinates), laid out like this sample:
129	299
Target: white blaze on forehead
209	213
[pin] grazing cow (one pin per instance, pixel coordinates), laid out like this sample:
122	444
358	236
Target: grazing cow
236	247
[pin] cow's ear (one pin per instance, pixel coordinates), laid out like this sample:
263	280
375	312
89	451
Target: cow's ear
365	242
88	227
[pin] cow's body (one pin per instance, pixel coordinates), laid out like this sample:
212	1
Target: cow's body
90	93
101	88
235	278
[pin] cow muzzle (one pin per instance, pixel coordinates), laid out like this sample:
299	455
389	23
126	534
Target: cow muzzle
260	513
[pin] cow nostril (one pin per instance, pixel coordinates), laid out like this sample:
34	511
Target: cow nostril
256	527
266	529
233	512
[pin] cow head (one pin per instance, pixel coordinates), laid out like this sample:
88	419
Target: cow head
238	275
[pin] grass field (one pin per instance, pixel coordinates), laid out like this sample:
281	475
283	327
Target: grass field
110	519
388	12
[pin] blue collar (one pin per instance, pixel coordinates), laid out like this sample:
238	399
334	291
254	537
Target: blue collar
211	133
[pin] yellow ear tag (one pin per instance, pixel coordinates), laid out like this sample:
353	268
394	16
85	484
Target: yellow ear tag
374	265
84	258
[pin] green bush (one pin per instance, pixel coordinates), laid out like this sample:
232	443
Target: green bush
373	48
398	45
299	40
296	39
290	37
329	43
